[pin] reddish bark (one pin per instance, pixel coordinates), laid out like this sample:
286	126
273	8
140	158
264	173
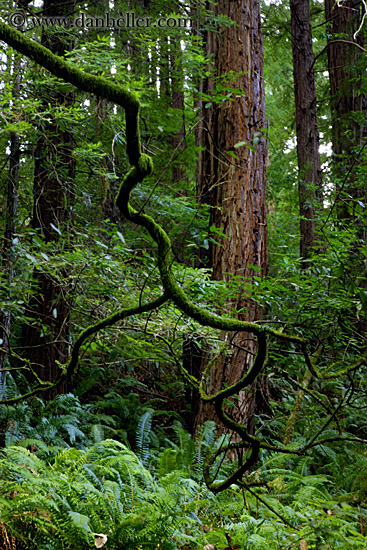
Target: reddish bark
234	184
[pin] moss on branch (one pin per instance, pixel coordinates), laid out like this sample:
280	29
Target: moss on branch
84	81
141	167
68	370
327	374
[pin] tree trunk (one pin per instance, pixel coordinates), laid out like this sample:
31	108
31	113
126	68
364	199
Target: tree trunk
309	164
10	221
171	80
7	259
347	67
108	187
47	338
234	184
205	140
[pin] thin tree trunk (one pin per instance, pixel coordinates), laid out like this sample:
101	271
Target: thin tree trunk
177	102
108	187
11	221
7	260
309	164
46	338
205	140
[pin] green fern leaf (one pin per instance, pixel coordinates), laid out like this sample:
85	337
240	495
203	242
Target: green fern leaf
143	436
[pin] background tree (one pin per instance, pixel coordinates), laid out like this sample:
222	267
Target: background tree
11	214
46	337
346	64
308	141
347	69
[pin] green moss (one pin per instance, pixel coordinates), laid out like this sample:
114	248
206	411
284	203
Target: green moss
142	166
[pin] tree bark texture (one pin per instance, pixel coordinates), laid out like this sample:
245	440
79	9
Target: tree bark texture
232	180
309	164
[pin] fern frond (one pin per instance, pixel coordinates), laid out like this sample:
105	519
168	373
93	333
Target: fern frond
143	435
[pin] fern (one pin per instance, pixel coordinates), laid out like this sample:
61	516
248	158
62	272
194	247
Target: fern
105	489
204	443
59	502
143	432
169	460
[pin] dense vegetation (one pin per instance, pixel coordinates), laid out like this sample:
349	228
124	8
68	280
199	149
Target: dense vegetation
113	321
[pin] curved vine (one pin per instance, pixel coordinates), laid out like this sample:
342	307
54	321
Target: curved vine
141	167
68	370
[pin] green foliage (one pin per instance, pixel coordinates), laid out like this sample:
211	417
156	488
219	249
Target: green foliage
143	436
63	421
69	499
52	498
62	504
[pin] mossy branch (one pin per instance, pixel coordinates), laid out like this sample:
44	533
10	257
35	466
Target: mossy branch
248	378
326	374
70	368
165	259
142	166
236	476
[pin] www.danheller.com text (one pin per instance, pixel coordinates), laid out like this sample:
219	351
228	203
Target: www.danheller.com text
127	20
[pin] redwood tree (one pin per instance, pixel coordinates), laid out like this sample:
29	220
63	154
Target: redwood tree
10	219
347	68
232	172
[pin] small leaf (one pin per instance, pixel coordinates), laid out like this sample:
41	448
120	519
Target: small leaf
55	228
252	148
30	257
120	236
100	540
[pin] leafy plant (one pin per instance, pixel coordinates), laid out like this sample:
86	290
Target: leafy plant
66	502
